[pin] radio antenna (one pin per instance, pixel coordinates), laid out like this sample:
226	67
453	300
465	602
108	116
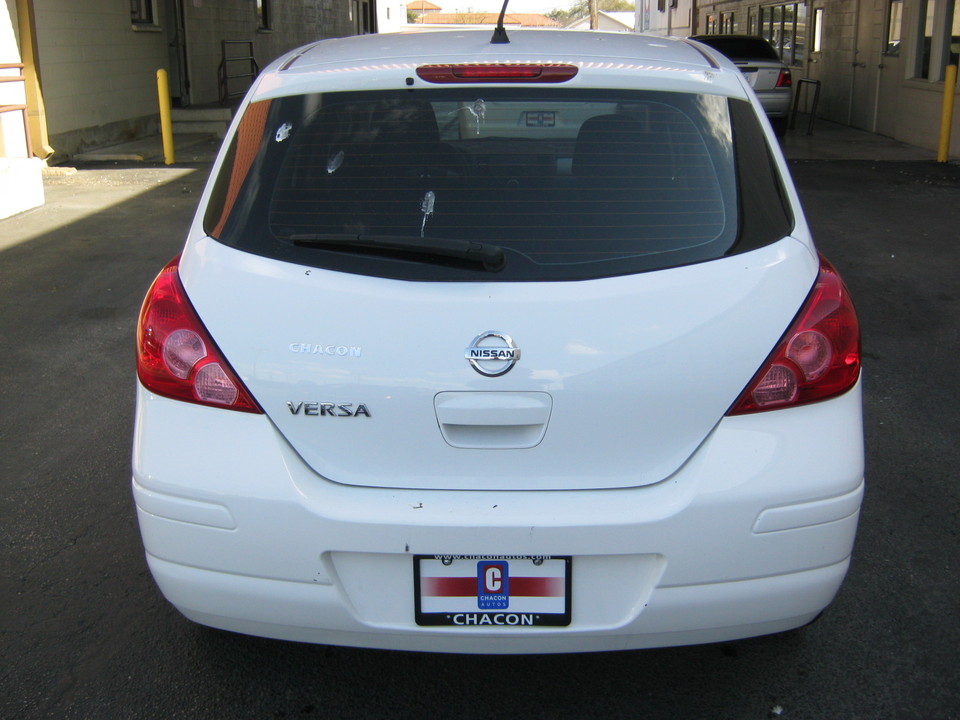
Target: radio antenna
500	33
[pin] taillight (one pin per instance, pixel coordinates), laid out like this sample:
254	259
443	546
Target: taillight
176	357
784	79
817	358
497	73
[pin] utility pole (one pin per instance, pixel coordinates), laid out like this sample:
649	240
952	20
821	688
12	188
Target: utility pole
594	17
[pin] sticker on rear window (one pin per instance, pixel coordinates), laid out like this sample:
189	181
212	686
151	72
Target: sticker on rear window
541	118
283	132
426	207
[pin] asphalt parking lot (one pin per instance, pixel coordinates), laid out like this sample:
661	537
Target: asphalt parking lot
85	634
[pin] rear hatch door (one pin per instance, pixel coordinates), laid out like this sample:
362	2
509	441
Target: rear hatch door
607	383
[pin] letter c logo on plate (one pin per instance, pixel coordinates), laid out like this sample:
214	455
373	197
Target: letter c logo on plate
493	585
493	580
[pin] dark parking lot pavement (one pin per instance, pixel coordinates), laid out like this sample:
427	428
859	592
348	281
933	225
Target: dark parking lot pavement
85	634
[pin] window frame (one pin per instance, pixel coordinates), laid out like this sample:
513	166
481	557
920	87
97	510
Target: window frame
142	13
893	28
816	30
784	22
922	22
264	9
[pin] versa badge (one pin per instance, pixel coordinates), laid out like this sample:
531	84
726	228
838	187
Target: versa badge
328	409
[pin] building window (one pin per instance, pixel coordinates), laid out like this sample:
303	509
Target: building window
894	27
785	26
953	38
264	15
141	12
925	38
938	38
817	44
361	15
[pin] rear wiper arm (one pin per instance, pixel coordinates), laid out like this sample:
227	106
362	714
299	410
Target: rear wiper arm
491	257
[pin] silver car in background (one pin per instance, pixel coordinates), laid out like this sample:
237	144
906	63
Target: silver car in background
766	73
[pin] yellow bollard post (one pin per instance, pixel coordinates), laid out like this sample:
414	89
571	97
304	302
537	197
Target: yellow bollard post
166	124
946	116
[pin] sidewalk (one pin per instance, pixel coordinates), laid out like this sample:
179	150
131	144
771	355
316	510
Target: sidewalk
189	148
829	141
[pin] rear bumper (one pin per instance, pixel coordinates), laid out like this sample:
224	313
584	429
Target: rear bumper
776	103
752	536
671	616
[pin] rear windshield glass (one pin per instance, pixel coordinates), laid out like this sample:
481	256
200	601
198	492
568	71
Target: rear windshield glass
493	184
737	47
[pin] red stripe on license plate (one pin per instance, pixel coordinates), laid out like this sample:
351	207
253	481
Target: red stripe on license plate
467	586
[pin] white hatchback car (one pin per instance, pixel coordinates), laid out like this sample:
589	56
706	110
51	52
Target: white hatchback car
499	347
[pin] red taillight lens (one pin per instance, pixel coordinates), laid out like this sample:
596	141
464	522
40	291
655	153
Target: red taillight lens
497	72
785	79
818	357
176	357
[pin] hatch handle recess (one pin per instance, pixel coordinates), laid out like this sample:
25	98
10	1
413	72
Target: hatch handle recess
493	420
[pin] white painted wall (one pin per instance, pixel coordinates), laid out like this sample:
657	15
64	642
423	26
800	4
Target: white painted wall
607	22
391	15
21	181
12	140
668	22
95	68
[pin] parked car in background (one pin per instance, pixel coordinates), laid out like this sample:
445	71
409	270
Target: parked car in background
760	63
472	351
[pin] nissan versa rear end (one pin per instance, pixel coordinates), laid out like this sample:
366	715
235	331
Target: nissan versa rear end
511	347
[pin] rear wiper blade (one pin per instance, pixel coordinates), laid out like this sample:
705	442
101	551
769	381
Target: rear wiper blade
491	257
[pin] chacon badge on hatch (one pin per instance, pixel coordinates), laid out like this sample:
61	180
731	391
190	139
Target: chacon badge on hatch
492	353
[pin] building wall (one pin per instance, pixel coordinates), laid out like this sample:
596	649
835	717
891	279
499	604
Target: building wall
21	182
862	84
292	24
98	70
12	137
391	15
95	70
657	17
620	22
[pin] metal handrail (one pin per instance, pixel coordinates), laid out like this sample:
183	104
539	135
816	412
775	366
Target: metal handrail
13	108
802	83
223	74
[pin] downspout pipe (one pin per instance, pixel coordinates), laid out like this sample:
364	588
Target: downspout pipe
854	64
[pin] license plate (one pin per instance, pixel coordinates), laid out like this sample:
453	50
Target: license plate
474	591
